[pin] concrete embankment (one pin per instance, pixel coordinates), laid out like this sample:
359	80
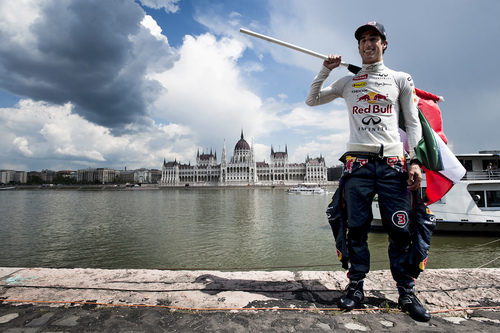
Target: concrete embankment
127	299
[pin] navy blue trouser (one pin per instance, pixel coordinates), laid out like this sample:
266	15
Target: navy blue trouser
377	177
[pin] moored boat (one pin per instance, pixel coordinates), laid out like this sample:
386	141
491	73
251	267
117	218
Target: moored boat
8	188
472	205
307	188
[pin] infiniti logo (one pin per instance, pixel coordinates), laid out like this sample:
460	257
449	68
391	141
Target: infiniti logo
374	120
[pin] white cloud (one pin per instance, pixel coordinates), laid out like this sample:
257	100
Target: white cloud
21	144
149	23
61	139
309	25
251	66
331	147
204	90
319	119
190	98
15	26
170	6
94	54
220	25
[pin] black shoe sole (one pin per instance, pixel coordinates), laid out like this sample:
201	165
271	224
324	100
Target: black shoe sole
416	318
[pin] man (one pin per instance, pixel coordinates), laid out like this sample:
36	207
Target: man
378	100
489	168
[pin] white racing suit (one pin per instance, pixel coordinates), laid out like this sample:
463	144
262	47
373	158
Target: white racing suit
379	101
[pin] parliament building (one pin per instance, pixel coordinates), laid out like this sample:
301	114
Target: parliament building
243	169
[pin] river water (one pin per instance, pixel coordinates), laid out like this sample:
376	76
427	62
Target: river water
193	228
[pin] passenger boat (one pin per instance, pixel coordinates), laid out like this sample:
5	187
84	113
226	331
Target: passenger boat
472	205
307	188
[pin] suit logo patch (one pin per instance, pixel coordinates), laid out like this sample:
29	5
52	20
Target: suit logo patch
400	219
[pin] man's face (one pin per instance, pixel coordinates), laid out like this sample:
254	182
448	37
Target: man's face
371	47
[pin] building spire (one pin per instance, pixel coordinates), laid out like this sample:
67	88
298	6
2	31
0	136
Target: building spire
223	160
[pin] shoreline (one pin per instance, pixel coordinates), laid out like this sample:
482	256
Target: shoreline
123	187
438	288
82	300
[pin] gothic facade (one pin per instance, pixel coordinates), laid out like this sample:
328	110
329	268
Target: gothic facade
243	169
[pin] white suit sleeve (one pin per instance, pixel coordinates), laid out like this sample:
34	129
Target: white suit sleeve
408	104
319	95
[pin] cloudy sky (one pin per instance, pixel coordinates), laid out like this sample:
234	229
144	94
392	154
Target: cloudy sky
124	83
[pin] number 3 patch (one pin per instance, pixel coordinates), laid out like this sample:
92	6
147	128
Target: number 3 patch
400	219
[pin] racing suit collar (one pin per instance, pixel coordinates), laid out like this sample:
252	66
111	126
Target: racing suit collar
375	67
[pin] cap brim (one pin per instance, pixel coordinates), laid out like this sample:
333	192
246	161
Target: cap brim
364	28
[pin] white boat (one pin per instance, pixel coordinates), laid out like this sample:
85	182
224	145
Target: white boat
306	188
8	188
472	205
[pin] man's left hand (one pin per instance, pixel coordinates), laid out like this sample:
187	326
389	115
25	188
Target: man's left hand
414	177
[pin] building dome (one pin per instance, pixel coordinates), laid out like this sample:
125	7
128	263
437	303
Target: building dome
242	144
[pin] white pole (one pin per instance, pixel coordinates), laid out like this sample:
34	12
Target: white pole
290	46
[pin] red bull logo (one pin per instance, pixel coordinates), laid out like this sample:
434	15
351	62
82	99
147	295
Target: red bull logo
379	97
372	98
423	264
364	98
349	162
372	109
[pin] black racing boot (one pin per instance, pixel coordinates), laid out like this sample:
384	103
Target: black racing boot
354	296
409	303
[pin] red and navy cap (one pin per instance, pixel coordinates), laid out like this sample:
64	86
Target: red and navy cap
372	25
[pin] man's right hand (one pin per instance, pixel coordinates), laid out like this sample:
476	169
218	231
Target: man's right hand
333	61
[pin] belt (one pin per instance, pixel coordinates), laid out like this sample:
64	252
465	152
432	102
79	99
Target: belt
381	150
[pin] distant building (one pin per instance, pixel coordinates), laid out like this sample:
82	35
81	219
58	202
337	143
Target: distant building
34	176
105	175
126	176
6	175
12	176
243	169
21	177
98	176
142	176
155	176
48	176
86	175
68	174
316	170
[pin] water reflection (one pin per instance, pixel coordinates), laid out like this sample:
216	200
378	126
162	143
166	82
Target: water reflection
191	228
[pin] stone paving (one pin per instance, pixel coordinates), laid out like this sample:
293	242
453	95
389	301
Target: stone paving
171	301
32	318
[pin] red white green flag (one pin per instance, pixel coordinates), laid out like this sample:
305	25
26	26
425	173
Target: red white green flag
442	168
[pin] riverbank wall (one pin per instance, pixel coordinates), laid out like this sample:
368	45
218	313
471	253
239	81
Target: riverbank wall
454	296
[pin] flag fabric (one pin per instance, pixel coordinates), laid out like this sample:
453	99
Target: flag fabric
441	167
427	103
